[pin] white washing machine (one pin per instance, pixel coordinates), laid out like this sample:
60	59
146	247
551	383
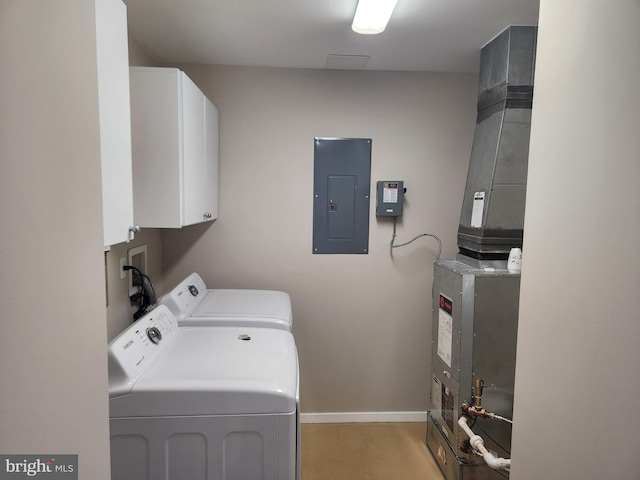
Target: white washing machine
195	305
203	403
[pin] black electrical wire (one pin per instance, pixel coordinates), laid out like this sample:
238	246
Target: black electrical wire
473	421
152	297
146	296
139	295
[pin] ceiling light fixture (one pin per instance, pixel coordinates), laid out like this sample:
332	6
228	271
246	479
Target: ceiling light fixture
372	16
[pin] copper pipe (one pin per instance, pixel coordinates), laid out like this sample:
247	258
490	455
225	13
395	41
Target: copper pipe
479	385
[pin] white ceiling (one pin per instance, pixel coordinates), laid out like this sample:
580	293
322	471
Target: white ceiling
423	35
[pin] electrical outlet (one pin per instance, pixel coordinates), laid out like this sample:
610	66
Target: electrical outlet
123	273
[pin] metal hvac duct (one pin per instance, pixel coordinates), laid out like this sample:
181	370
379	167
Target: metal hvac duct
492	217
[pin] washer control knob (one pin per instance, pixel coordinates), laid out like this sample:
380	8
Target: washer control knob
193	290
154	335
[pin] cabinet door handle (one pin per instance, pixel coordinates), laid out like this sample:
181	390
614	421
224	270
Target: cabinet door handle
133	230
207	216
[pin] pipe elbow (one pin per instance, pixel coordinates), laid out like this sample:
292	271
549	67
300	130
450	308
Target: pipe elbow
496	463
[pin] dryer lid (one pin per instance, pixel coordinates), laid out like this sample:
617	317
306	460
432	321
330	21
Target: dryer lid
249	307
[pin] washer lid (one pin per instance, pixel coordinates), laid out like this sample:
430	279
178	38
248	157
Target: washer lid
216	371
251	308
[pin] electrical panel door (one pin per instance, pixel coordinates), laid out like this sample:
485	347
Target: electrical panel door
342	176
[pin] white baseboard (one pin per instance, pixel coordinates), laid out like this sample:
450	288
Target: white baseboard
364	417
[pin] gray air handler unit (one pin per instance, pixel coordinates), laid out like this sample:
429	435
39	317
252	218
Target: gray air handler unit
475	296
475	323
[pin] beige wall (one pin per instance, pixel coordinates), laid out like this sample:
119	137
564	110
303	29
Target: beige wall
362	322
577	365
53	369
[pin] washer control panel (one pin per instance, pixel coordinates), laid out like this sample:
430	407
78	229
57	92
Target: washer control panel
139	344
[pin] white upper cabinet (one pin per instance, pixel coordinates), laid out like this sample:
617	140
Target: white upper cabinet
175	149
115	120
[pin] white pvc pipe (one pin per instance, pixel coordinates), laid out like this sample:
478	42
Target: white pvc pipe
497	463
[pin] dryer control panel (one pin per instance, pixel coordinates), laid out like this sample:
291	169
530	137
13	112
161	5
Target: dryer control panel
137	346
185	296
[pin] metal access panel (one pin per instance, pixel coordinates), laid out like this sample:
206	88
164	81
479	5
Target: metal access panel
452	466
341	183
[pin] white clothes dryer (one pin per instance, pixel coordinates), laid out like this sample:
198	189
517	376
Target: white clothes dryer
195	305
203	403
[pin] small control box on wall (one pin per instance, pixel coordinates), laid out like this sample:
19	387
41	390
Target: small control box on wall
389	198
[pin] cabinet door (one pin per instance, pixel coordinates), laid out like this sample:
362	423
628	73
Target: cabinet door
156	127
115	120
175	156
193	161
211	165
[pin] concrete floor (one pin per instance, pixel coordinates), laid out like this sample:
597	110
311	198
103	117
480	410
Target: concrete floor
367	451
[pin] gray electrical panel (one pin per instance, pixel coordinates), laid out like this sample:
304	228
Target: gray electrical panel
389	195
341	184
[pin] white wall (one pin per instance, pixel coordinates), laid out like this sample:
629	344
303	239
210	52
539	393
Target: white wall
362	322
53	369
577	375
